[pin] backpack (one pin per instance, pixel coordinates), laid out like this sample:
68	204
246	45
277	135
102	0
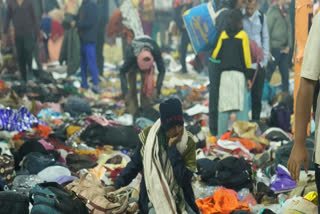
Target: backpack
51	198
234	173
281	117
13	202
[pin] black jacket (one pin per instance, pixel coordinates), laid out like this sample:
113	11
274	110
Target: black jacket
130	60
182	175
88	21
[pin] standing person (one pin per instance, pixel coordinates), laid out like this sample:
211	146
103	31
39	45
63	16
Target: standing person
310	74
255	25
103	6
39	9
166	156
279	25
163	16
139	58
27	30
235	77
87	25
226	6
180	8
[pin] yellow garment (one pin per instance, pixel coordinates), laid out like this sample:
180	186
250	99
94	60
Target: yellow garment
135	3
72	130
245	43
313	197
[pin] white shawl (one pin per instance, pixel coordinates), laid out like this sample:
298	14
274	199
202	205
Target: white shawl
158	187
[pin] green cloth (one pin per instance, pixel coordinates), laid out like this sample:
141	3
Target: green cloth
71	49
280	29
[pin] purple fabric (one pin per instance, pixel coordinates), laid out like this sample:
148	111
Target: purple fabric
147	27
282	181
65	179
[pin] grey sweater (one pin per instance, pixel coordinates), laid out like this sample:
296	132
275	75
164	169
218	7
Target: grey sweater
279	28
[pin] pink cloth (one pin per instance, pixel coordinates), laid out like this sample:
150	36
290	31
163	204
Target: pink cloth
145	62
46	145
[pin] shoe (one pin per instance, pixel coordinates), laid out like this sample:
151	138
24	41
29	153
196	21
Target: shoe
96	89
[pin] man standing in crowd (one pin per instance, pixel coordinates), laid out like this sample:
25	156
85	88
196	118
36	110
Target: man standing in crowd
39	9
167	158
103	6
180	8
163	15
87	25
255	25
310	75
139	58
27	30
279	25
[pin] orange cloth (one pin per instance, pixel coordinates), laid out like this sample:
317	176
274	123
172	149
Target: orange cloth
43	131
116	28
223	201
250	145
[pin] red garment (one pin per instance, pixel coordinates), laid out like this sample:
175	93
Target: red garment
145	62
116	28
57	30
114	173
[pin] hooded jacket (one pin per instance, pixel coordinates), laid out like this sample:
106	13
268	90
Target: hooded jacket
88	22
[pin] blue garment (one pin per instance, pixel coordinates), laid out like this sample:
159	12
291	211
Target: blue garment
87	21
89	61
252	26
46	25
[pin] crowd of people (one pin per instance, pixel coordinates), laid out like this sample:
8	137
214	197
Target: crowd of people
253	39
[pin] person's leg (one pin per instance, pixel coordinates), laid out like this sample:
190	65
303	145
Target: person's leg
144	99
132	102
284	70
36	55
183	50
256	94
29	42
273	64
21	60
223	123
83	66
214	77
90	52
46	50
243	115
99	48
317	175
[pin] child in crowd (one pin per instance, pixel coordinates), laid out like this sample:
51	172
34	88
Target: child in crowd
232	53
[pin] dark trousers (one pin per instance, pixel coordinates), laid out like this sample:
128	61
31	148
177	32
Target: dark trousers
317	175
183	52
132	99
281	60
184	49
99	48
214	77
36	55
256	94
25	45
89	61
